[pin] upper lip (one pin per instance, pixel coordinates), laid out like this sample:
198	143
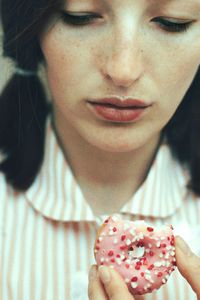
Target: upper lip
120	102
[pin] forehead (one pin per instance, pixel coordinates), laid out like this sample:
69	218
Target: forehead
121	3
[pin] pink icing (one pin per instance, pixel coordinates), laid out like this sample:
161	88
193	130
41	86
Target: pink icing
142	254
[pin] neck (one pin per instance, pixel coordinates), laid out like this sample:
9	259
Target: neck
107	180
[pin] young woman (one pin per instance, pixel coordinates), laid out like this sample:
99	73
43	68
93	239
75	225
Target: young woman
118	134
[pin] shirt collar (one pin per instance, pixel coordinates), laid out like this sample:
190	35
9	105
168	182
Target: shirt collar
164	189
55	193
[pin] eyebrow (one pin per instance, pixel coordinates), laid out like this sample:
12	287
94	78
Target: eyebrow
193	4
196	2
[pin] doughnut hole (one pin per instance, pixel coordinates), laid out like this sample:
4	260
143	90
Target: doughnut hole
136	252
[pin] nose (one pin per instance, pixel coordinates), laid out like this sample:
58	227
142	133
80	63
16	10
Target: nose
123	63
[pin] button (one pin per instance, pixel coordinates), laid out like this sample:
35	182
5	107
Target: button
80	286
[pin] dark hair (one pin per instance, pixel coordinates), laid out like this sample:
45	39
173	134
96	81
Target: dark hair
183	133
23	105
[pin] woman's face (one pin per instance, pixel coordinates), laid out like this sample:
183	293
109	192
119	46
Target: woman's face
142	49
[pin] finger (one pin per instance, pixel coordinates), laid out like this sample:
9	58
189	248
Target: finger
188	264
114	285
96	290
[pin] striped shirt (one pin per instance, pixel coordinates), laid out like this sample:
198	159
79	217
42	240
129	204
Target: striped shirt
47	233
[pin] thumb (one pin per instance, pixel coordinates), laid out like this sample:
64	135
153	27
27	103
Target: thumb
188	264
114	285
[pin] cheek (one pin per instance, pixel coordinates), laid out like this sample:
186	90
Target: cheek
175	76
66	66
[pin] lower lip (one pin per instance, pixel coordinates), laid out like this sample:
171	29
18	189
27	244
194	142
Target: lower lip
116	114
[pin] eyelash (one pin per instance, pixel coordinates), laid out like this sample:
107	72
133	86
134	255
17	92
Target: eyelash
172	26
84	20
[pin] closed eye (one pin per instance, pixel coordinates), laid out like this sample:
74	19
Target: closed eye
170	26
77	20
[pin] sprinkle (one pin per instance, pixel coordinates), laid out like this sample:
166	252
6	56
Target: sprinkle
158	244
110	253
123	247
156	272
160	274
123	237
137	267
128	242
167	256
148	277
150	229
132	231
142	274
158	264
151	267
134	285
119	262
151	253
167	264
114	229
112	260
140	244
134	279
127	266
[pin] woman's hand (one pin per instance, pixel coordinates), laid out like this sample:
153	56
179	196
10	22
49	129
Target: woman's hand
107	284
188	264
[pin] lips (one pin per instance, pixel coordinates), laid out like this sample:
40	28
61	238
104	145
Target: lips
118	109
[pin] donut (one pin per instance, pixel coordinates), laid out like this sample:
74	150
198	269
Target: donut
142	254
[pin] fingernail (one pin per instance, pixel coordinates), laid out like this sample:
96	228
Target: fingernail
183	245
104	274
93	272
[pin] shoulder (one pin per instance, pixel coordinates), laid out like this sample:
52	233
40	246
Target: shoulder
7	192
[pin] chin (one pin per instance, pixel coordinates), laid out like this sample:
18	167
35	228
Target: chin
116	147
